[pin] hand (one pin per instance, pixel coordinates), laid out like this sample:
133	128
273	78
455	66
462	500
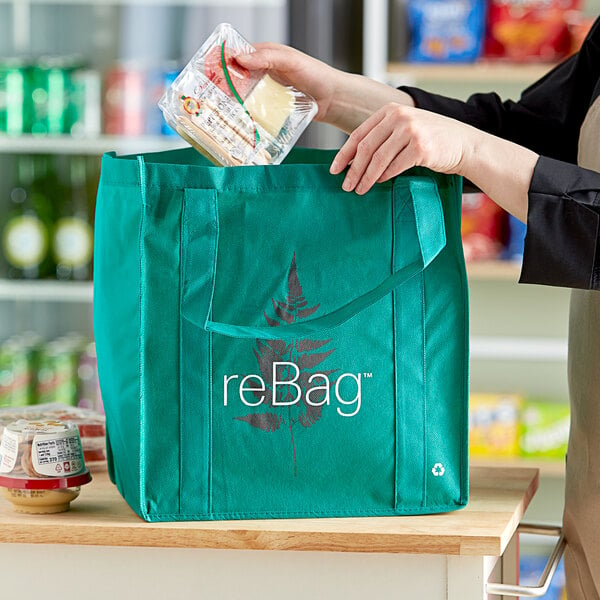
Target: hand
292	67
396	138
344	100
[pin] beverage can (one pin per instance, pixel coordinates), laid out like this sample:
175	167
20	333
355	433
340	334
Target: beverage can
16	374
168	77
50	94
84	114
57	374
12	96
124	101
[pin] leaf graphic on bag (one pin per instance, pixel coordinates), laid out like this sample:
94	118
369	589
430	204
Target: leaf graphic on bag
266	421
299	359
284	311
309	345
309	361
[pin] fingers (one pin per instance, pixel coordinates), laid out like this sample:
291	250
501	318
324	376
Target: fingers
372	148
373	154
403	161
268	56
394	151
348	151
381	148
372	158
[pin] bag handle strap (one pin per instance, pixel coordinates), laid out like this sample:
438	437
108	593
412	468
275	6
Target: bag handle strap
431	233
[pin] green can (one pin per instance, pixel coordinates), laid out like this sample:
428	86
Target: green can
17	372
57	373
51	84
13	91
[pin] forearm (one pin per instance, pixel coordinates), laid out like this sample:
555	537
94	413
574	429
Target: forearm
357	97
501	169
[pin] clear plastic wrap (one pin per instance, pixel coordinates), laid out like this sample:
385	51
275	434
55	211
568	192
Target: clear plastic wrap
232	116
91	426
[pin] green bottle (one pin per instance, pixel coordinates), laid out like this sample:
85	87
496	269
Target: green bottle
73	241
26	231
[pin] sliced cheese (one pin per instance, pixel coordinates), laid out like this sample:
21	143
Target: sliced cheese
270	104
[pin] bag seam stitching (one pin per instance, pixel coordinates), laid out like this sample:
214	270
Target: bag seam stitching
228	189
142	470
182	274
262	514
215	206
425	453
397	412
464	474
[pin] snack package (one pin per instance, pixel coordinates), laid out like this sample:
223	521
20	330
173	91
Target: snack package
483	227
579	26
90	424
494	425
544	429
522	30
232	116
446	30
515	245
41	465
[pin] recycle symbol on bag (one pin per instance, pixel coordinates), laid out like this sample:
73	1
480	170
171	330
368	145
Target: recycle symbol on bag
438	470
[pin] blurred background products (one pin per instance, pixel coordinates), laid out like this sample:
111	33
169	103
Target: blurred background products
489	232
49	96
522	31
27	226
483	227
446	30
73	236
494	425
62	370
515	243
46	223
60	95
511	425
532	565
544	429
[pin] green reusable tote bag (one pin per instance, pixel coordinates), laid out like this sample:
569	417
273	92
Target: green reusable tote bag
270	346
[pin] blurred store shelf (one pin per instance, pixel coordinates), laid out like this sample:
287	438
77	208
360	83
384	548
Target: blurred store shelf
478	72
518	348
494	270
46	290
64	144
549	468
236	3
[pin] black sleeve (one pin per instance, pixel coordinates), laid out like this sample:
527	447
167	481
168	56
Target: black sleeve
549	113
561	244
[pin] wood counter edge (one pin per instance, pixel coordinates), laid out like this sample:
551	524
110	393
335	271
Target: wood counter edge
130	531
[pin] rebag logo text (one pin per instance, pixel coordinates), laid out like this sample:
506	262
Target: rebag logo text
320	387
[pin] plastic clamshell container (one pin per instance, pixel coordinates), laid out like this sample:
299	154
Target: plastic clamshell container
231	115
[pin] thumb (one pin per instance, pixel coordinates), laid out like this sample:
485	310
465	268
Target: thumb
254	61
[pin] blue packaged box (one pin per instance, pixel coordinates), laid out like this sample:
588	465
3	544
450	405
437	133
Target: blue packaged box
446	30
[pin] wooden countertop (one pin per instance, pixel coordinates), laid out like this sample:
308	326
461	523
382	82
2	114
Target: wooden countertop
100	517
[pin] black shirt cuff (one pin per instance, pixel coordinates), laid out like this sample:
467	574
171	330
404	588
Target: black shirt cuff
561	244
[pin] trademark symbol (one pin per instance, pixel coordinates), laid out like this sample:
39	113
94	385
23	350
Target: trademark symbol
368	375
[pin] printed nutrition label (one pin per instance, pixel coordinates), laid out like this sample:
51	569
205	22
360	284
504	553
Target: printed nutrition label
57	454
9	450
